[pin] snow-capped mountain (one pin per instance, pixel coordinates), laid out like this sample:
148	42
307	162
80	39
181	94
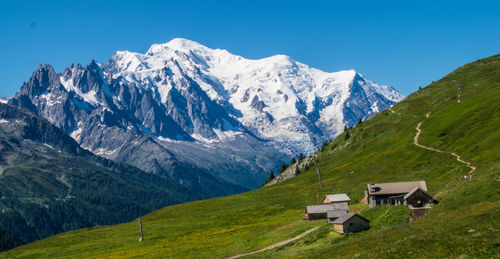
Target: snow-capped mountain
201	116
275	98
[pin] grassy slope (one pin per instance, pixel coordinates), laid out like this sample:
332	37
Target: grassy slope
465	222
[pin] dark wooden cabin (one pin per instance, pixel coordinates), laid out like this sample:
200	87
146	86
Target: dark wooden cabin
351	222
332	215
419	198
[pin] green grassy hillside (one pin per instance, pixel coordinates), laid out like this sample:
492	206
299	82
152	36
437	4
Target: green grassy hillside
466	222
49	184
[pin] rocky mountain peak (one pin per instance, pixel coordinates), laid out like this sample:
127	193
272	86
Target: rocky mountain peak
43	78
186	101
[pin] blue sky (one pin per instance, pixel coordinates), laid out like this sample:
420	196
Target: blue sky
399	43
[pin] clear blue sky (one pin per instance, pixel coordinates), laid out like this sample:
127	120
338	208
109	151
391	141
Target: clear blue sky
399	43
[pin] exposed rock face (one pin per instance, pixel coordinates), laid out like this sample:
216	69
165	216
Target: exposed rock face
211	120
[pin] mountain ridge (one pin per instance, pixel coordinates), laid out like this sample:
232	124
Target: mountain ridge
186	100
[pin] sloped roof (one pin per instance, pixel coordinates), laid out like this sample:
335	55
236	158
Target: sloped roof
338	197
342	219
323	208
395	188
335	213
416	189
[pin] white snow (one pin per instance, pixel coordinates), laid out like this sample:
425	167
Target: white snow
4	121
77	134
89	97
291	91
51	100
49	146
104	152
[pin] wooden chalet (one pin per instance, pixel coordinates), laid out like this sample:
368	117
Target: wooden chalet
350	222
419	198
392	193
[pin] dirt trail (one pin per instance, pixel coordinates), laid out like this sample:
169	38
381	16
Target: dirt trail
284	242
472	168
415	142
415	139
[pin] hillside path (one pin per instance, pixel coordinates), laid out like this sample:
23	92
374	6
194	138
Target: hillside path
415	142
284	242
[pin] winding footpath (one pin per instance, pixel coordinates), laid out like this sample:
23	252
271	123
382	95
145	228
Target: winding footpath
275	245
415	142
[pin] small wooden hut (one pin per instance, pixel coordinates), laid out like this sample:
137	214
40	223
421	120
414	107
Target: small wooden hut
336	198
418	198
332	215
351	222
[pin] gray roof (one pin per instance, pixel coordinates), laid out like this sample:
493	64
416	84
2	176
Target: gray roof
323	208
335	213
338	197
342	219
395	188
414	190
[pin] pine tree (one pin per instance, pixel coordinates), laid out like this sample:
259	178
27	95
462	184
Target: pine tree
293	161
324	146
297	171
301	156
360	121
347	136
283	168
271	177
345	128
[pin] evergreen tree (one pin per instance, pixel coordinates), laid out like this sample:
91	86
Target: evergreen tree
271	177
283	168
345	128
293	161
297	171
360	121
324	146
301	156
347	136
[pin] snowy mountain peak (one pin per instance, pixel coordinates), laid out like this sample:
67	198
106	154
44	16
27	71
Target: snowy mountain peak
169	109
177	44
182	44
275	97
